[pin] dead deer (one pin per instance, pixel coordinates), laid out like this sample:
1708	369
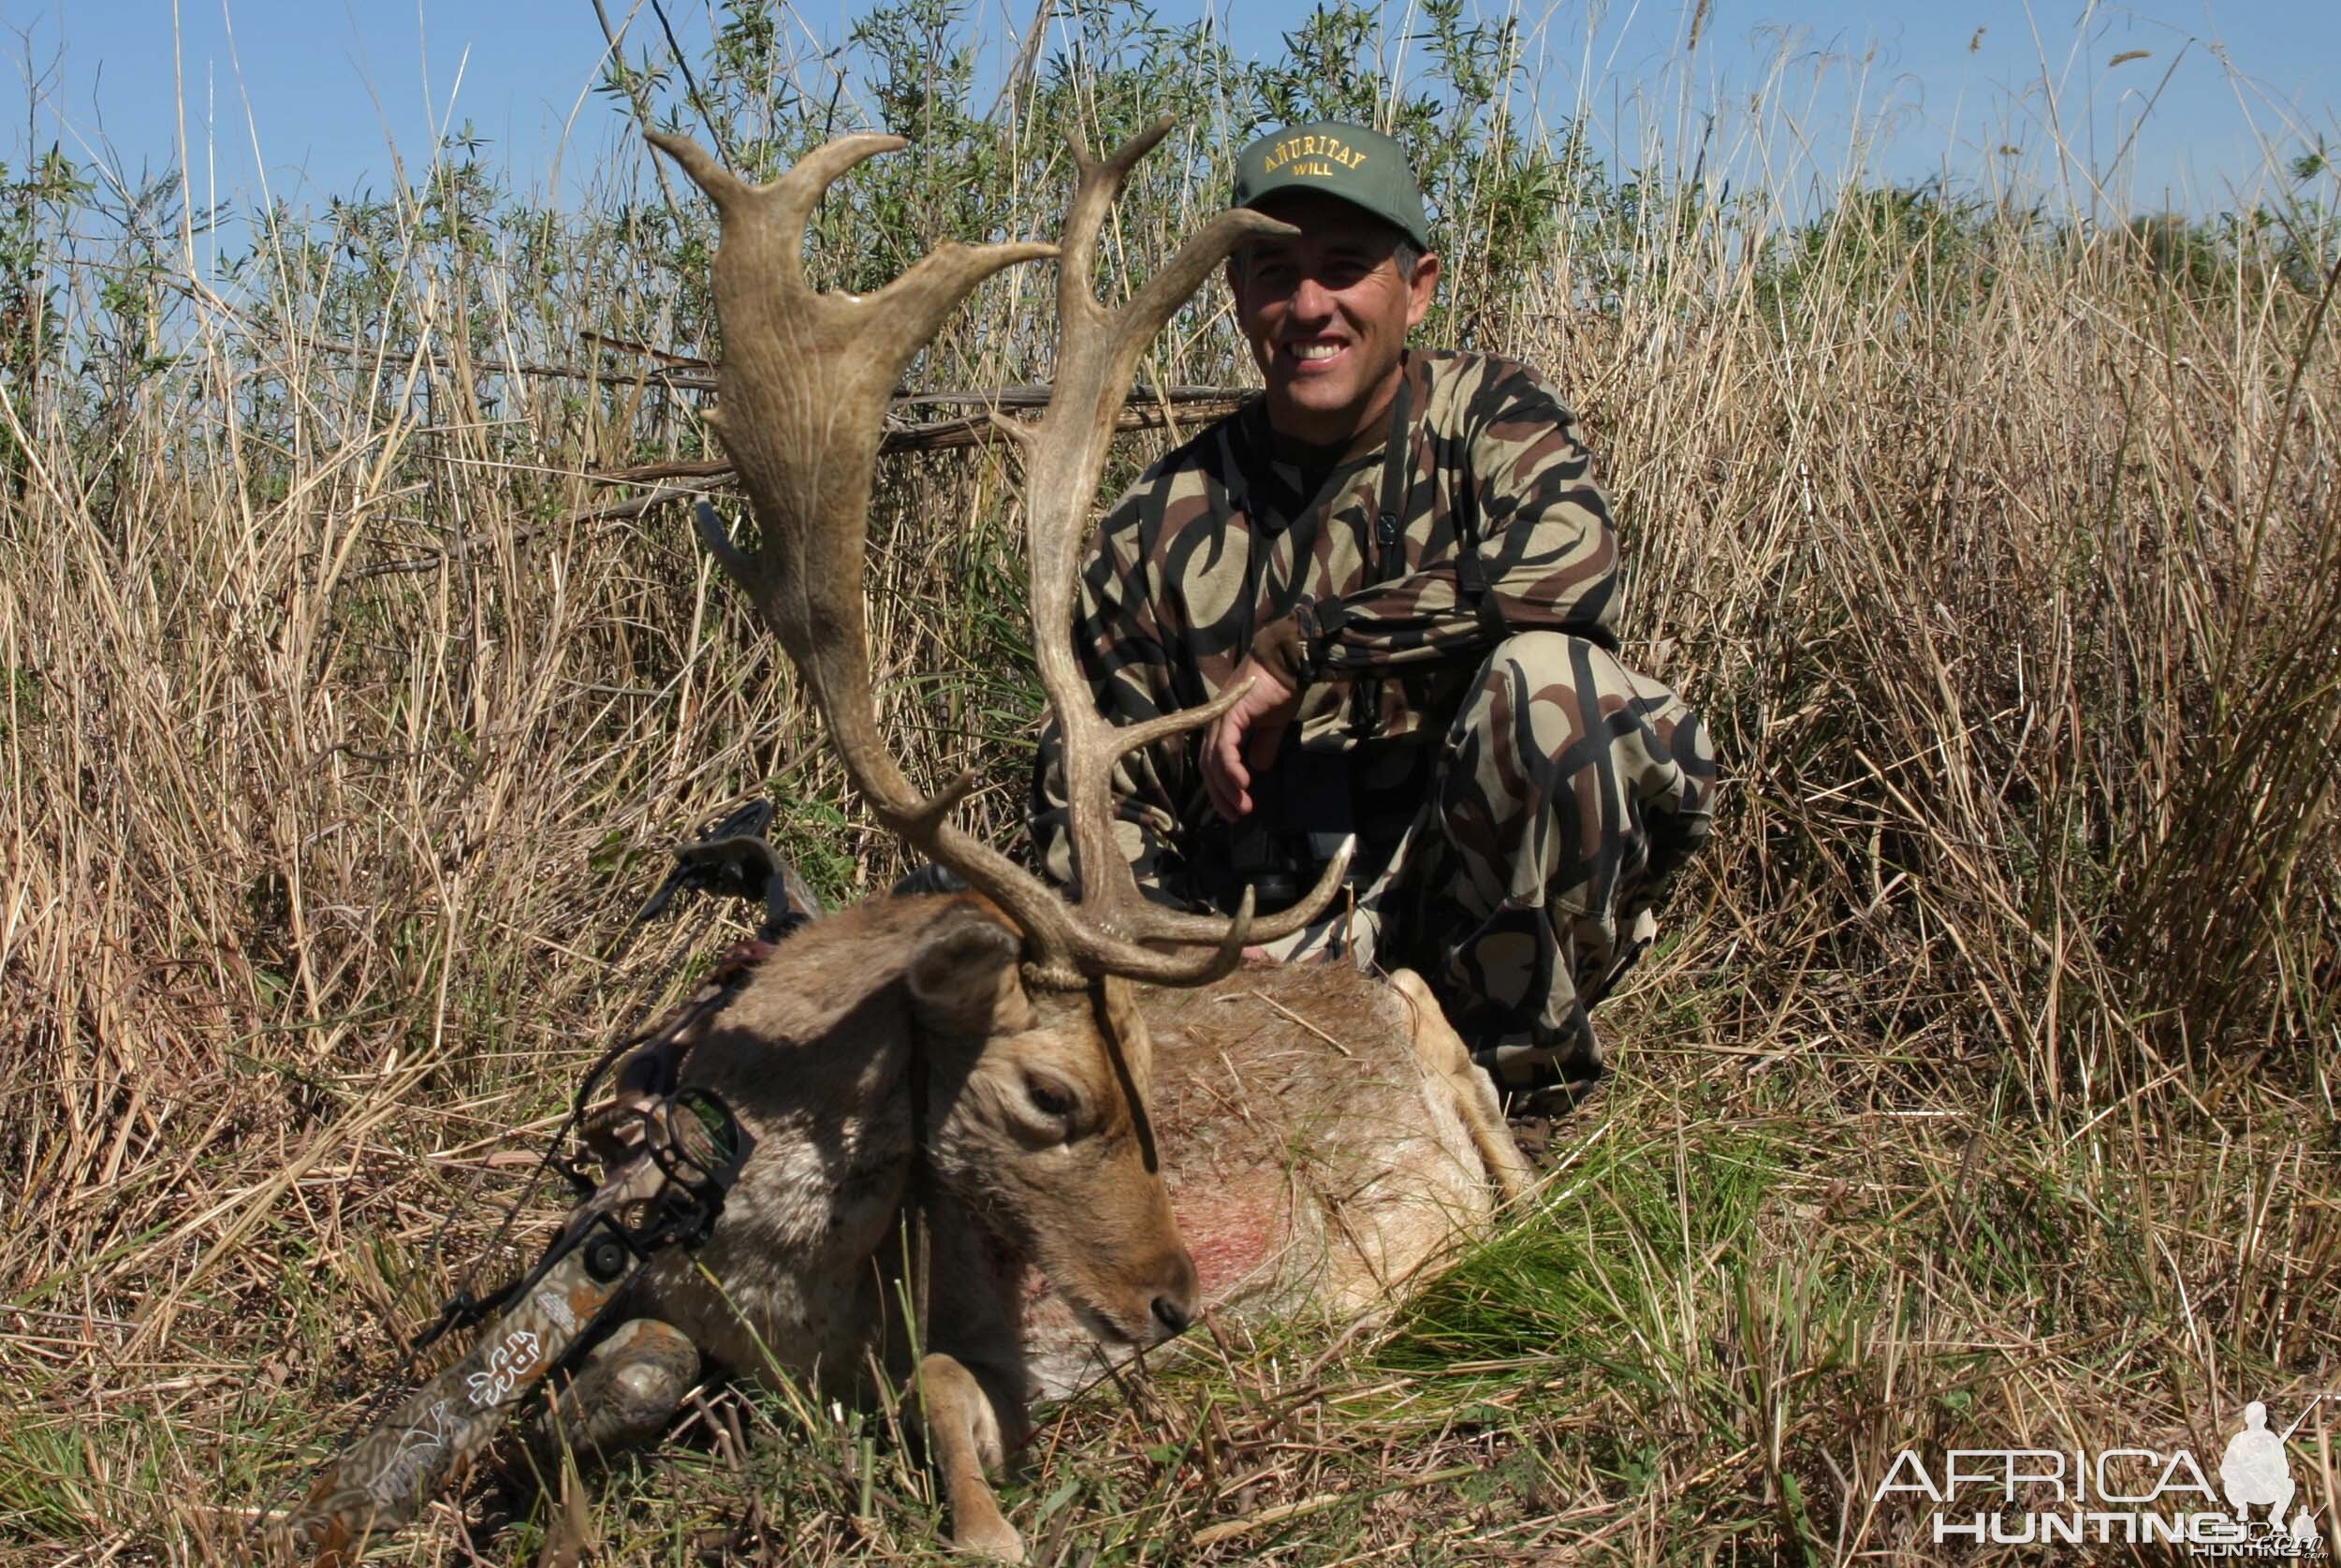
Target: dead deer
985	1062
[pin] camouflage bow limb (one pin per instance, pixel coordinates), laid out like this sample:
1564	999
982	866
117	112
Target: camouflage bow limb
384	1481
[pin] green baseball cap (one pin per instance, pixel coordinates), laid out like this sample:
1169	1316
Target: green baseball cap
1363	168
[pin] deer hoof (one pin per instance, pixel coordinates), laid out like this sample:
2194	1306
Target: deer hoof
993	1537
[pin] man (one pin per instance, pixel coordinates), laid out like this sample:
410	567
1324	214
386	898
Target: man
1406	553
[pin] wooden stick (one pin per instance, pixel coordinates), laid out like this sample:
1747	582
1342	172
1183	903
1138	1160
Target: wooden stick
705	475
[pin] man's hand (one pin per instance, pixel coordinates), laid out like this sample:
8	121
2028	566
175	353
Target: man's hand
1244	739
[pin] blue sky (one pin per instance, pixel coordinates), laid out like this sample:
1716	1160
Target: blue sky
326	90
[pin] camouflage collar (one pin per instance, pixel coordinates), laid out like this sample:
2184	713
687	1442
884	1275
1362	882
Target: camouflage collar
1290	477
1260	441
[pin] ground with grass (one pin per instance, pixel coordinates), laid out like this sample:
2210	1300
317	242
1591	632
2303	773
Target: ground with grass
356	670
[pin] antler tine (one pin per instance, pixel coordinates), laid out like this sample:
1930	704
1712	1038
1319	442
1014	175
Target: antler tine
1097	353
1158	922
721	185
1098	182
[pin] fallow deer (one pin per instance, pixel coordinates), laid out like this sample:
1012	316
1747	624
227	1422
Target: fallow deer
985	1062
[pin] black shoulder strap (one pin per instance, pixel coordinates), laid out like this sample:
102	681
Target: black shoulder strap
1386	557
1397	460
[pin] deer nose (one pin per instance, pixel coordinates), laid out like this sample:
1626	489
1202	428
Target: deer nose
1172	1315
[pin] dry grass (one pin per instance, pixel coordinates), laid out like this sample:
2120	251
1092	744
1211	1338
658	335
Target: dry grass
1981	1091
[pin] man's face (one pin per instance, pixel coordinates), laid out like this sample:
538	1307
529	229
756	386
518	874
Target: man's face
1326	313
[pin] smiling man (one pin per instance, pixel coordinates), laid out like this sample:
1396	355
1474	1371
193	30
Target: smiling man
1405	552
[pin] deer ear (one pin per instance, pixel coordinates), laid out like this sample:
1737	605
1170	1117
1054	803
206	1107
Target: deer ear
962	977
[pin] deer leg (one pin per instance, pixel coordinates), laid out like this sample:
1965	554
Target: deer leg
1444	1053
628	1390
963	1422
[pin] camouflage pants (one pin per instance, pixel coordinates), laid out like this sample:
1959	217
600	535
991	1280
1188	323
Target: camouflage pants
1567	793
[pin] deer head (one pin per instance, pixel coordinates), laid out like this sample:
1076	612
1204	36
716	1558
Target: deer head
1042	1060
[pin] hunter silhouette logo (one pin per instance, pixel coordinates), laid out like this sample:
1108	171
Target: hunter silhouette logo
2120	1496
2256	1474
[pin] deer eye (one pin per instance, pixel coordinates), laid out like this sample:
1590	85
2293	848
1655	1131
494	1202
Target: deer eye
1051	1099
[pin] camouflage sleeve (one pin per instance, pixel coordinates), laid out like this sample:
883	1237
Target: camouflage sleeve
1118	641
1546	557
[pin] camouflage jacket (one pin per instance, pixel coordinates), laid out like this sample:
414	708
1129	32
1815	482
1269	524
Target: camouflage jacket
1227	545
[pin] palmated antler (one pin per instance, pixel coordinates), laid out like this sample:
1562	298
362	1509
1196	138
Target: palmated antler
803	391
